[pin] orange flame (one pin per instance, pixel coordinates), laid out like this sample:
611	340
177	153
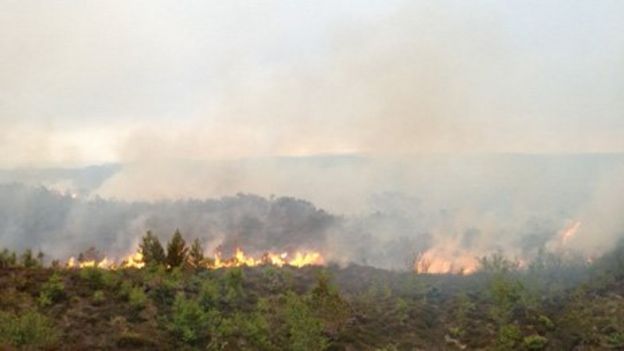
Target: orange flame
569	232
133	261
439	260
239	259
560	242
299	259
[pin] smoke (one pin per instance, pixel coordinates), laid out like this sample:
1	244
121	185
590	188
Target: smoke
62	225
385	116
239	80
602	222
456	206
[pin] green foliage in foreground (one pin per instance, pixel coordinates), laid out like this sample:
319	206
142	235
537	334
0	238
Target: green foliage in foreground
30	329
52	291
556	304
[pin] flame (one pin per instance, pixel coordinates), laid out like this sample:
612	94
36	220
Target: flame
105	263
133	261
569	232
299	259
440	260
239	259
560	242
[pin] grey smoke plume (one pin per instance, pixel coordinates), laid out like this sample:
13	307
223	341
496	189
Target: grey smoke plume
122	82
481	204
404	100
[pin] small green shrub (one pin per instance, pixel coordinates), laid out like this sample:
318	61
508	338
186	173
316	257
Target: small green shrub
508	337
163	289
535	342
28	260
110	279
209	294
30	330
137	298
329	306
189	321
93	276
304	329
546	322
456	332
7	259
616	340
44	300
243	331
99	297
52	291
124	290
234	285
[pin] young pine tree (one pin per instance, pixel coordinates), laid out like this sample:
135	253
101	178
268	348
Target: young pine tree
151	249
29	260
7	259
196	255
176	250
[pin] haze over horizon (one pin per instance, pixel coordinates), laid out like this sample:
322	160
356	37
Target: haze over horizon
119	81
447	118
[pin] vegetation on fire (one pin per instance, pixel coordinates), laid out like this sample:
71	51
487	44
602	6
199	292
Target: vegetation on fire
176	302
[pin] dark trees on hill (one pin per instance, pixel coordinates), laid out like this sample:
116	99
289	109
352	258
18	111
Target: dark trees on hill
151	249
176	250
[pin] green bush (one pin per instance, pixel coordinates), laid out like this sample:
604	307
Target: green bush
304	329
163	287
99	297
30	330
209	294
93	276
137	298
535	342
7	259
508	337
616	340
189	321
124	290
332	309
505	293
110	279
242	331
52	291
28	260
234	292
546	322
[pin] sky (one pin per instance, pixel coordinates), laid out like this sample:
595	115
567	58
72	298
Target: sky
87	82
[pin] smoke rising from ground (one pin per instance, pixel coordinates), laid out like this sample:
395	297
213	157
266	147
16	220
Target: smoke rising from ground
470	206
478	125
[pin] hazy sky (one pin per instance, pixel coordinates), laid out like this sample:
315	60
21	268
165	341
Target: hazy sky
105	81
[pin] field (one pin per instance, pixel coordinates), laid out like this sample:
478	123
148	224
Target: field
557	303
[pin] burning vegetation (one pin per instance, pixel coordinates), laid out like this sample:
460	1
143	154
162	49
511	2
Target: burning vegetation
161	299
244	294
151	252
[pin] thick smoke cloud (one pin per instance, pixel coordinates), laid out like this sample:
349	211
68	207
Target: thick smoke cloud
404	100
126	81
62	224
517	205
